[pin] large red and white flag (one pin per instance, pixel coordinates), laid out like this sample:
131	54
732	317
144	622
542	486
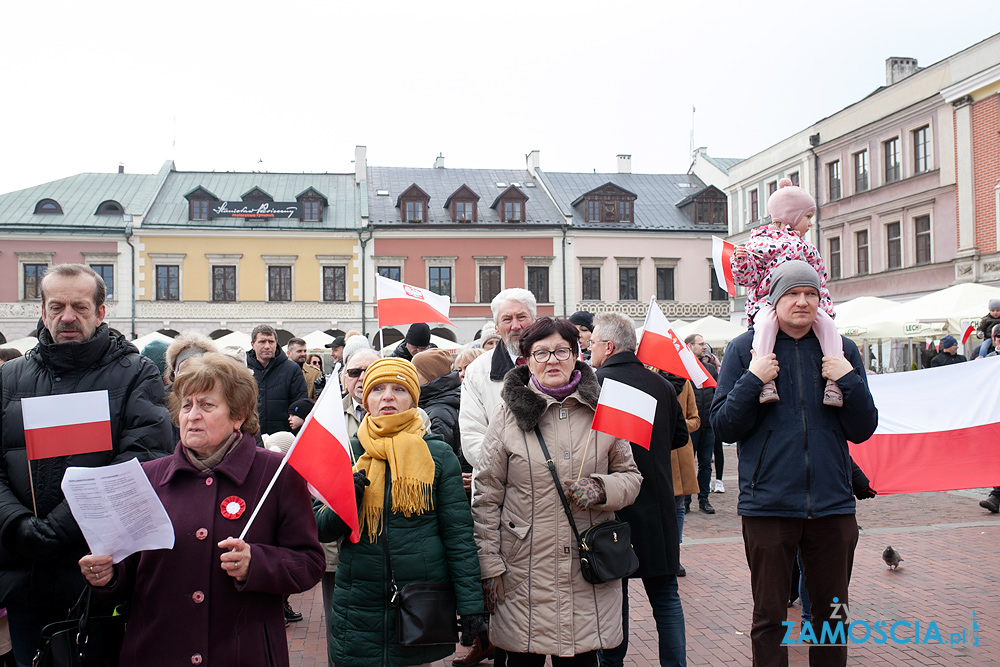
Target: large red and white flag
660	347
399	303
321	453
66	424
938	429
625	412
722	254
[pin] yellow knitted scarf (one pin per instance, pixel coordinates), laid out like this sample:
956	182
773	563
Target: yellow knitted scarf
396	440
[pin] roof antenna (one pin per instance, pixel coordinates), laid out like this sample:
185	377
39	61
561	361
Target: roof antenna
691	147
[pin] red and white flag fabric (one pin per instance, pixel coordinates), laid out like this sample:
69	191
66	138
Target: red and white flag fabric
722	254
660	347
625	412
938	429
321	453
399	303
66	424
968	332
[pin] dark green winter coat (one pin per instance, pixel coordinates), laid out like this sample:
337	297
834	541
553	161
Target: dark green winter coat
434	546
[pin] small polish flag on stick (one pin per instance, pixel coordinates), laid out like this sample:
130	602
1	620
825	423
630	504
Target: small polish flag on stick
661	348
722	254
625	412
968	332
399	303
66	424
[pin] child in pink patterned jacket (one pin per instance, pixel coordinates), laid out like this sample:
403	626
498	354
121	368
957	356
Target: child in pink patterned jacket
791	209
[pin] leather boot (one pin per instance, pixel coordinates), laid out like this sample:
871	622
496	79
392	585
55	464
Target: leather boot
477	653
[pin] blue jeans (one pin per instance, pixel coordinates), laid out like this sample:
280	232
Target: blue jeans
704	446
669	616
803	593
679	504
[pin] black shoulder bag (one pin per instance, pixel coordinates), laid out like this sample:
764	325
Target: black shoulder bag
83	640
426	611
606	550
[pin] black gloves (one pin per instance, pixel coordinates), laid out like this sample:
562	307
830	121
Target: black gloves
472	625
360	482
34	538
865	493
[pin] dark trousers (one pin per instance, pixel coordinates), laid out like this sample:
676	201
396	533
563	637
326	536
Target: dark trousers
704	446
665	602
588	659
827	549
328	581
720	459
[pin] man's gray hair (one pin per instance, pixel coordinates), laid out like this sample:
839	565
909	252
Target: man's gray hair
518	294
73	270
618	329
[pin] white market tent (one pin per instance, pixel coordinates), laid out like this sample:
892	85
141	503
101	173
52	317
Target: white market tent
949	310
22	345
317	340
443	343
850	312
715	331
142	341
236	338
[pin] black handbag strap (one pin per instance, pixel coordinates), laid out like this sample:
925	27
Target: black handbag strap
555	478
386	508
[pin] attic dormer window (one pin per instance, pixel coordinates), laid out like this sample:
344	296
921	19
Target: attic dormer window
255	194
49	207
465	211
510	205
412	204
110	207
608	203
462	205
311	211
198	209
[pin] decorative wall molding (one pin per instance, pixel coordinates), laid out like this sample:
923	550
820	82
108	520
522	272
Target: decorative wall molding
263	310
672	309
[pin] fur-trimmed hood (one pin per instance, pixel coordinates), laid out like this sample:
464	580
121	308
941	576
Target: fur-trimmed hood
527	405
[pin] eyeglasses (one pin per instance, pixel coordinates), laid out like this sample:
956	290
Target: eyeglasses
355	372
560	353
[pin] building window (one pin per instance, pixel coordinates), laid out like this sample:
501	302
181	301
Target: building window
593	210
922	227
861	242
861	171
772	187
168	282
489	283
833	170
334	283
921	149
538	283
33	274
625	211
439	280
107	274
894	246
591	283
512	211
110	207
49	206
199	209
794	178
224	283
664	284
754	216
719	293
414	211
891	152
464	211
390	272
279	283
628	284
311	210
835	258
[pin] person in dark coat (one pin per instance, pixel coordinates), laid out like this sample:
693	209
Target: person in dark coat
440	394
949	353
279	379
418	339
214	599
652	516
76	352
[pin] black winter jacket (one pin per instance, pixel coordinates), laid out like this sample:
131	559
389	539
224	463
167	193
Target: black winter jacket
793	454
279	384
703	397
440	399
403	352
140	428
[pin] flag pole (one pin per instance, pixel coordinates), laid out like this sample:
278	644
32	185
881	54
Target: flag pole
270	485
586	447
31	483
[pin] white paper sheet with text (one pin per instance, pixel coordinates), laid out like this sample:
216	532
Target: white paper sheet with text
117	509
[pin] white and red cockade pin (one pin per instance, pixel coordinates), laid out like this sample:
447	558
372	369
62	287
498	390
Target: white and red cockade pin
232	507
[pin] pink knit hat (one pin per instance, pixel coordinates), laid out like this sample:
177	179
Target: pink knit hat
789	203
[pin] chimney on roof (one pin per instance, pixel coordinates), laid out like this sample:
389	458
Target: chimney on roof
897	69
624	164
439	161
121	167
360	164
533	161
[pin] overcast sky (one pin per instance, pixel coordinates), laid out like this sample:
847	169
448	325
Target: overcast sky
294	86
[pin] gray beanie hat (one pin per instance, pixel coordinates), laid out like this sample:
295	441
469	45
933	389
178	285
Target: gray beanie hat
994	304
793	273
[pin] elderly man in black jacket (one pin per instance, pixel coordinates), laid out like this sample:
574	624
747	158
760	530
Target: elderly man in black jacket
279	379
653	516
76	353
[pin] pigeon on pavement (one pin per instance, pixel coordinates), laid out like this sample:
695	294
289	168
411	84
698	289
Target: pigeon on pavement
891	558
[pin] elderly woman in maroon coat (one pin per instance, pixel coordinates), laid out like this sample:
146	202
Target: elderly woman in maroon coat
213	598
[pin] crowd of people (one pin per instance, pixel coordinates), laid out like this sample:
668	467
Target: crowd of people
452	478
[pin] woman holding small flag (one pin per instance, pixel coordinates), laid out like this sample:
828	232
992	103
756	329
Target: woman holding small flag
213	598
540	603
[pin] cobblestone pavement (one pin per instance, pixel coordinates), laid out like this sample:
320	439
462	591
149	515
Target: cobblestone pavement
951	552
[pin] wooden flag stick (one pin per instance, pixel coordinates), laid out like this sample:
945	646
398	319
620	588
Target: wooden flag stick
586	447
31	483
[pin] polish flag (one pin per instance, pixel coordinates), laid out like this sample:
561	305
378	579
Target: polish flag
938	429
722	255
968	332
399	303
625	412
321	453
66	424
660	347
